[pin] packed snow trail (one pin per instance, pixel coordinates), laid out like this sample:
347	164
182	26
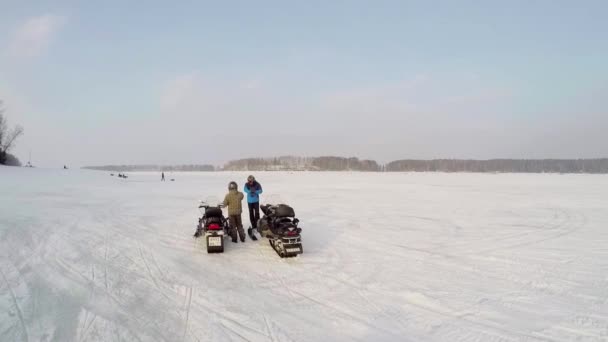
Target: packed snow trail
387	257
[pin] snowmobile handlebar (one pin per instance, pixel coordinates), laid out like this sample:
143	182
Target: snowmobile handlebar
207	206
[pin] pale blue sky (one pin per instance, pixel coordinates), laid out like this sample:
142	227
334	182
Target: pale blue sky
158	82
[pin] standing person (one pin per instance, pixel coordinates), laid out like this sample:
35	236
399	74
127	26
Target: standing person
162	176
253	190
233	201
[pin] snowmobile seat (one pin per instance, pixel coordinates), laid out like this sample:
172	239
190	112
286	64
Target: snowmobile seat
213	212
214	219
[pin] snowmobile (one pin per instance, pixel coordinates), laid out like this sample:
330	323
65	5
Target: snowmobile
213	226
280	225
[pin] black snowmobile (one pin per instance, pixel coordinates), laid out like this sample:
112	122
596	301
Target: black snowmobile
280	225
213	226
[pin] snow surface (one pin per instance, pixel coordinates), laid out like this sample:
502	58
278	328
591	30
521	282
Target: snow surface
387	257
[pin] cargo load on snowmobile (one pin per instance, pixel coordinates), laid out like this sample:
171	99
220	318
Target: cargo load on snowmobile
280	225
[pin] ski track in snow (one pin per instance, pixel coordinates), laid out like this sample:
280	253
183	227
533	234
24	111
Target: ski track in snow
387	257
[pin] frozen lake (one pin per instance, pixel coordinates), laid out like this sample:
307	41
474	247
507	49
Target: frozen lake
387	257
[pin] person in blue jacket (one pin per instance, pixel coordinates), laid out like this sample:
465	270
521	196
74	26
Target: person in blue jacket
253	189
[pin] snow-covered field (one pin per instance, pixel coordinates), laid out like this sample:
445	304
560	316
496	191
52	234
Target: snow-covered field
387	257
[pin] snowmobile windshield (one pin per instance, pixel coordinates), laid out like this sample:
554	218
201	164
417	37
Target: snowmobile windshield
209	201
273	199
213	201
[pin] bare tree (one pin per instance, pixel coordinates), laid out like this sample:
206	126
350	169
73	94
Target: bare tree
3	125
7	138
11	137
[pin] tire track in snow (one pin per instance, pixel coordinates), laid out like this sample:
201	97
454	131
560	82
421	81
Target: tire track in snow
175	242
17	307
160	271
276	334
162	285
488	238
350	315
450	313
361	292
105	268
567	218
152	277
234	332
105	258
82	324
224	317
126	317
335	263
275	275
112	213
87	328
187	313
484	326
551	224
272	339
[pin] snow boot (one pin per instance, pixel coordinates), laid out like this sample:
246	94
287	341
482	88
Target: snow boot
251	235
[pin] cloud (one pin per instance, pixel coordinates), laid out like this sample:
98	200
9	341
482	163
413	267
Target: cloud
180	91
252	84
34	36
191	93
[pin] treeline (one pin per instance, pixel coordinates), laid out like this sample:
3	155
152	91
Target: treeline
409	165
291	163
501	165
345	164
284	163
158	168
330	163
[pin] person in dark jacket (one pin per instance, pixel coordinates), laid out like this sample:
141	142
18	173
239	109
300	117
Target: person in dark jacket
253	189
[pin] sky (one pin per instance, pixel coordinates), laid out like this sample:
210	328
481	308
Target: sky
117	82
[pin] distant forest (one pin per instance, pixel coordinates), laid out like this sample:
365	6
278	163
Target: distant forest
290	163
329	163
158	168
502	165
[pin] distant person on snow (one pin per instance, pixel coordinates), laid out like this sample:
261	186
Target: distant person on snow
253	190
233	201
162	176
